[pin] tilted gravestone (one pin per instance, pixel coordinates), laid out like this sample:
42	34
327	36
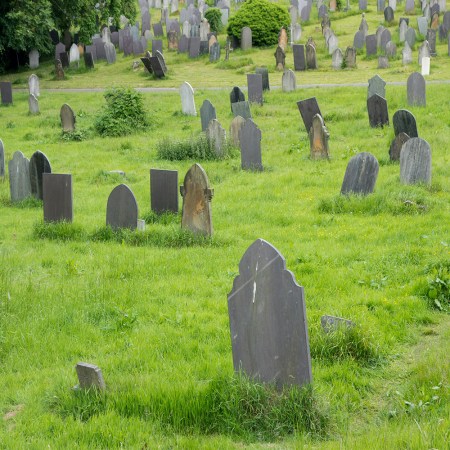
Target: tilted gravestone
187	99
378	111
288	82
33	104
255	88
308	109
376	86
299	56
156	66
318	138
236	95
416	89
6	92
361	174
264	72
164	190
404	122
371	44
33	85
197	197
19	177
415	162
122	208
216	136
89	376
241	109
2	160
250	145
67	118
58	198
207	113
396	146
236	124
39	164
268	326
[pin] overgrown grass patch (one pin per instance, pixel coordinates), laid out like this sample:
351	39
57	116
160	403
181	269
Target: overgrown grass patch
59	231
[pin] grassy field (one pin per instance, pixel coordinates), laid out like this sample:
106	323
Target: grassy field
151	308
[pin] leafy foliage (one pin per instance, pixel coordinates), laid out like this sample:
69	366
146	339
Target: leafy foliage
438	289
264	18
214	17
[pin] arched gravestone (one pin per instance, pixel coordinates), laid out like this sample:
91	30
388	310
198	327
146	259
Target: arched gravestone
187	99
246	38
308	109
122	208
378	111
250	143
318	138
416	89
67	118
415	162
2	160
33	85
361	174
268	326
39	164
207	113
404	122
235	127
197	197
19	177
216	136
288	81
236	95
396	146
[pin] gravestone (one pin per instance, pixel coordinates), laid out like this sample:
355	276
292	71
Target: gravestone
6	92
404	122
362	5
236	95
183	44
410	37
246	38
92	49
33	85
162	63
431	39
363	26
378	33
288	82
378	111
410	7
305	12
308	109
388	14
396	146
350	57
197	196
156	45
415	162
214	52
59	71
39	164
122	208
376	86
434	19
250	145
391	50
425	66
361	174
19	177
406	54
331	324
207	113
296	32
358	40
187	99
59	48
57	195
194	47
283	39
443	32
337	59
88	60
33	59
33	104
318	139
110	52
416	90
115	39
67	118
332	44
89	376
127	45
164	190
74	55
2	160
422	25
138	48
323	11
380	5
402	29
241	109
298	51
371	44
255	88
311	59
216	136
385	37
158	29
280	58
424	51
264	72
64	58
268	325
235	126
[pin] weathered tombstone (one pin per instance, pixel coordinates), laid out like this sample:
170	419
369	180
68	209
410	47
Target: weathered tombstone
385	37
391	50
216	136
264	72
88	60
64	58
425	66
19	177
280	58
156	45
59	48
415	162
416	90
402	29
299	57
67	118
396	146
255	88
197	196
283	39
57	196
2	160
241	109
358	40
332	323
138	48
33	85
388	14
127	45
115	38
362	5
383	62
434	19
305	12
250	145
361	174
371	44
406	54
39	164
122	208
308	109
33	104
318	138
296	32
33	59
6	92
164	190
235	127
214	52
92	49
378	33
363	26
424	51
311	59
246	38
194	47
332	44
110	52
59	71
323	11
409	7
74	55
410	37
422	25
236	95
376	86
431	39
404	122
350	57
268	325
378	111
288	82
337	59
162	62
158	29
89	376
207	113
187	99
380	5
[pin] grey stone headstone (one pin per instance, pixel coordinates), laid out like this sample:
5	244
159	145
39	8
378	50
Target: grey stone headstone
280	58
391	50
115	38
442	32
380	5
337	59
410	37
33	85
33	59
323	11
135	33
265	77
350	57
396	146
415	162
58	197
74	55
305	12
332	323
100	48
376	86
59	48
236	124
299	56
156	45
246	38
406	54
332	44
362	5
197	196
216	137
161	60
361	174
127	45
194	47
122	208
431	38
404	122
88	60
255	88
39	164
90	376
416	89
33	104
67	118
446	20
378	111
358	40
388	14
2	160
187	99
214	52
296	32
183	44
207	113
371	44
64	58
288	82
92	49
250	145
19	177
410	6
385	37
268	326
402	29
6	92
422	25
157	68
164	190
424	51
138	49
308	109
236	95
318	139
110	52
383	62
311	59
363	26
241	109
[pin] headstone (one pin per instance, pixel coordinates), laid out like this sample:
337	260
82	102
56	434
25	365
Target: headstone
434	19
33	85
216	136
415	162
410	7
332	44
59	71
311	60
350	57
384	39
33	59
58	198
100	47
380	5
2	160
255	88
362	5
391	50
162	62
288	82
410	37
122	208
378	33
194	47
67	118
296	32
416	90
424	51
64	58
404	122
406	54
422	24
332	323
378	111
187	99
250	145
264	72
318	138
236	95
431	38
308	109
158	29
241	109
298	51
110	52
363	26
156	46
425	66
59	48
39	164
268	326
402	29
74	55
92	49
207	113
19	177
164	190
90	376
371	44
183	44
396	146
197	196
214	52
358	40
235	127
246	38
388	14
282	39
305	12
361	174
6	92
88	60
280	58
376	86
33	104
323	11
337	59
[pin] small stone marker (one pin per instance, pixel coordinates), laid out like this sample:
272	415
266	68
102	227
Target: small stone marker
288	82
39	164
207	113
33	104
404	122
122	208
187	99
308	109
425	66
246	38
416	90
391	50
241	109
396	146
250	144
376	86
6	92
268	325
58	198
33	85
361	174
197	197
350	57
318	138
235	126
255	88
378	111
299	57
164	190
332	323
415	162
89	376
216	136
19	177
67	118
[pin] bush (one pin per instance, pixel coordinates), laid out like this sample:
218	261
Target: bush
124	113
214	17
264	18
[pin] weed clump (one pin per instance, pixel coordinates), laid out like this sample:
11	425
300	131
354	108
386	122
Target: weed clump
436	288
59	231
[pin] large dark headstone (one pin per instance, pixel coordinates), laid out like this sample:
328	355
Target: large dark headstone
39	164
255	88
207	113
58	199
64	58
378	111
164	190
308	109
431	38
122	208
415	162
157	68
59	48
214	52
299	57
194	47
361	174
268	326
6	92
250	144
241	109
236	95
371	44
388	14
404	122
265	77
92	49
416	89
